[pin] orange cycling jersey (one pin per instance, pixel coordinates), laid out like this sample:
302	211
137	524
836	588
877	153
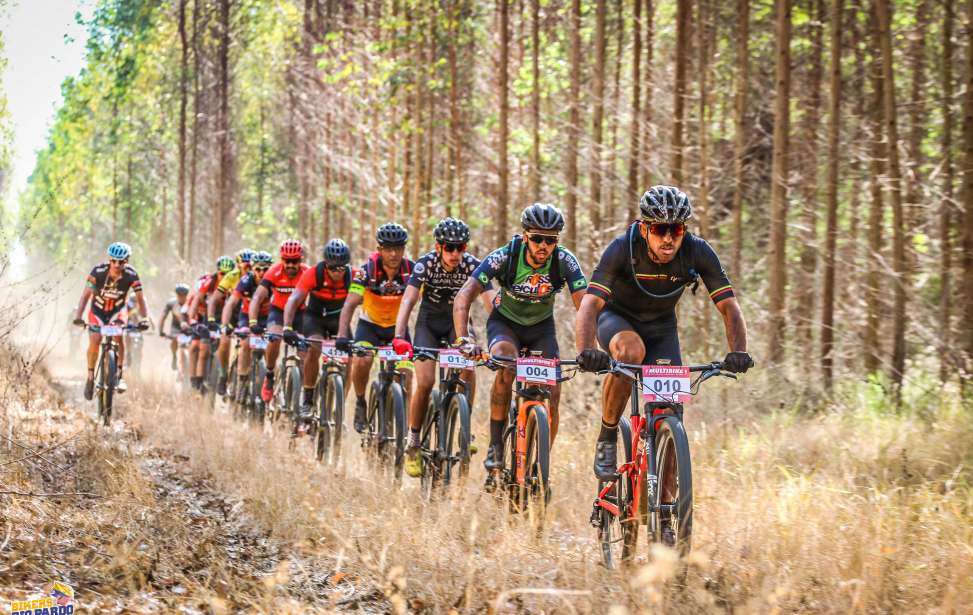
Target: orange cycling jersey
381	295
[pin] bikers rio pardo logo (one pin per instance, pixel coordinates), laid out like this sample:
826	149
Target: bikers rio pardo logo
55	598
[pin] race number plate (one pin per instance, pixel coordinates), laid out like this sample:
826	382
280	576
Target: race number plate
184	339
134	334
328	350
536	370
386	353
257	342
454	358
666	383
111	330
215	335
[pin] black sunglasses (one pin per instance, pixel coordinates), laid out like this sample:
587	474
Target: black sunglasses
454	247
336	267
291	261
660	229
539	239
261	269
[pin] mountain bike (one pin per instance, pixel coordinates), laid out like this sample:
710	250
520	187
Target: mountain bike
445	433
325	427
234	384
133	351
106	369
654	486
527	436
248	394
287	384
385	415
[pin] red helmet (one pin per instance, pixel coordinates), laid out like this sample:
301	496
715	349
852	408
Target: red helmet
291	248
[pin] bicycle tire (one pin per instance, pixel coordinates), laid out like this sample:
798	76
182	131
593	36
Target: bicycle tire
431	440
618	535
107	395
374	419
672	447
231	388
212	377
533	494
456	439
395	404
295	385
258	372
330	415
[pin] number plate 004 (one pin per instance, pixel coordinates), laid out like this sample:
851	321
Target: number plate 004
536	370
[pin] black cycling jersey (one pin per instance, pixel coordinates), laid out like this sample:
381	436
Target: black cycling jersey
109	295
613	280
438	286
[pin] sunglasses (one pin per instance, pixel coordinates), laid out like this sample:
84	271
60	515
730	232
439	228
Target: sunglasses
118	261
291	261
261	269
545	239
454	247
337	268
659	229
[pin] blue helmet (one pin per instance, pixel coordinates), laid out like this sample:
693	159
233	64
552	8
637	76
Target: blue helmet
336	253
119	251
245	255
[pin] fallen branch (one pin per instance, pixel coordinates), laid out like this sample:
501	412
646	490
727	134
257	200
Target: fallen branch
32	494
38	453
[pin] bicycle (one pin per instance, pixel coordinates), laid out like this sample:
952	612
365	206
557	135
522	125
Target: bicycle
329	392
253	405
106	368
133	351
385	415
527	436
288	384
654	485
445	433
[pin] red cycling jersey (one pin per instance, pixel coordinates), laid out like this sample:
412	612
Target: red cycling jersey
325	296
206	284
281	286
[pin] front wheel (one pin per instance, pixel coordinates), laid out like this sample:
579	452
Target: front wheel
673	525
330	416
619	534
456	439
106	393
534	492
430	441
392	430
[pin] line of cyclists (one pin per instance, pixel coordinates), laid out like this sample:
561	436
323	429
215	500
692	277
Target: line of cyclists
626	311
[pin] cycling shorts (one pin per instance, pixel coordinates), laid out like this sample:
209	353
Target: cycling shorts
375	335
660	337
316	325
99	318
540	336
244	320
433	331
276	317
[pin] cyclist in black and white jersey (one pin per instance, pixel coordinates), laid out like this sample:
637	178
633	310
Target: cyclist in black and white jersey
174	308
436	277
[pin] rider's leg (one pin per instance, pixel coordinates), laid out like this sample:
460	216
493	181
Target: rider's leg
223	355
202	354
243	360
360	368
627	347
501	392
425	375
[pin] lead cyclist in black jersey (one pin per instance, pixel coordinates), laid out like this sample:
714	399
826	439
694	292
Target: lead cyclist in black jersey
631	303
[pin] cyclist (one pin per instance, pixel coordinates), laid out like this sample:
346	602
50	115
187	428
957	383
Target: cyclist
174	307
378	288
325	286
107	287
530	270
437	277
240	297
631	304
200	347
213	308
278	284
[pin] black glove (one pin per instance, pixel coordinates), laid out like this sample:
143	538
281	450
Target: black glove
594	360
343	344
227	329
162	333
291	337
212	325
737	362
201	331
78	322
144	325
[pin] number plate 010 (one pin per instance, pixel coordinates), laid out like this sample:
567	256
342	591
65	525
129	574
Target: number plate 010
666	383
536	370
454	358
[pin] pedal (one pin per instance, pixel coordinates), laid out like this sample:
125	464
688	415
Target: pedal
492	482
596	513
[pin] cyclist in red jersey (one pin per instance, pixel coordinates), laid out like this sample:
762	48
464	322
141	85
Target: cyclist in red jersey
325	286
199	348
278	284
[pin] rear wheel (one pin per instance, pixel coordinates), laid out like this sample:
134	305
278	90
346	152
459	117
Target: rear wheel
330	416
232	387
675	528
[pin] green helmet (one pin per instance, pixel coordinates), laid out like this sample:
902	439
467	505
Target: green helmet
225	264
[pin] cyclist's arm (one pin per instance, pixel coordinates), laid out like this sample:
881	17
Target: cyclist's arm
347	311
296	299
85	297
213	304
576	297
194	307
586	323
409	298
487	300
228	306
736	326
258	297
461	306
143	306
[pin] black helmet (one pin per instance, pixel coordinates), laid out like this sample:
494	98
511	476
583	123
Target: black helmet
665	204
336	253
391	234
542	216
452	230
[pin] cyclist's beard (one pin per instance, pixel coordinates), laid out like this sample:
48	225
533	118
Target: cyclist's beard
663	258
539	256
290	270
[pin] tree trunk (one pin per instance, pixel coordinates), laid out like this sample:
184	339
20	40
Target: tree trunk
705	29
683	15
895	186
194	159
945	212
874	294
183	96
831	232
966	328
223	200
574	131
597	119
635	131
610	205
741	130
778	193
919	90
500	219
535	101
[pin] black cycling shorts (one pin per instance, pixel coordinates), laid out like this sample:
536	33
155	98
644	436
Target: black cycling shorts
432	330
316	325
244	320
660	337
541	336
276	317
375	335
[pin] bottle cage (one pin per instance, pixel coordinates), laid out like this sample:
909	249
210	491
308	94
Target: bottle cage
691	279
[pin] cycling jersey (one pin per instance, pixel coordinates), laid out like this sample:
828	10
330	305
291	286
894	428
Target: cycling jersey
381	295
229	281
172	307
205	285
279	285
325	295
613	280
526	296
438	286
109	295
244	290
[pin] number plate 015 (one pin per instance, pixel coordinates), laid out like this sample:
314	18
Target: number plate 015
536	370
454	358
666	383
